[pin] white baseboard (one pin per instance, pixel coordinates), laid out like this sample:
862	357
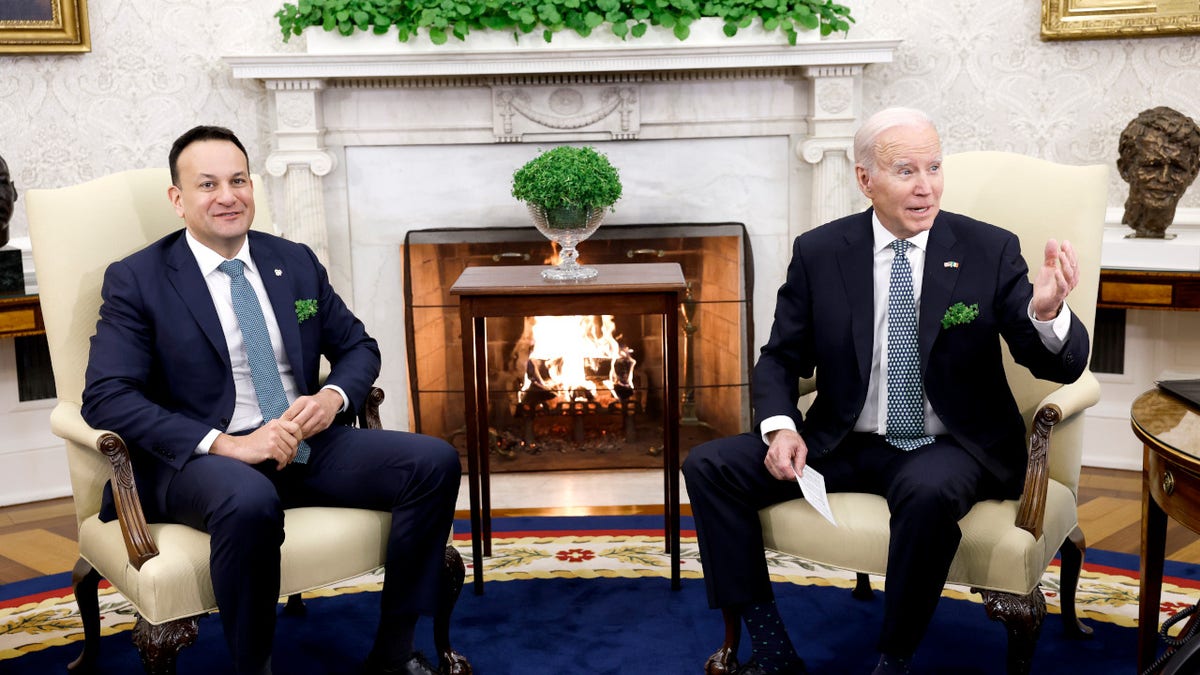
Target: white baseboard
34	475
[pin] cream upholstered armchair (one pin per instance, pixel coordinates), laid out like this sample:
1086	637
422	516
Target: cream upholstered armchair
163	568
1006	545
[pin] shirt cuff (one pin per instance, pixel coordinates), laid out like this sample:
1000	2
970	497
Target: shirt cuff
775	423
1053	333
207	441
345	399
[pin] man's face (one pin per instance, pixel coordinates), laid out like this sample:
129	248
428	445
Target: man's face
215	196
906	186
8	194
1159	172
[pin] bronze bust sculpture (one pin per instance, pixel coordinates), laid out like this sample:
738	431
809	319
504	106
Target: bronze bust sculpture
1159	156
8	198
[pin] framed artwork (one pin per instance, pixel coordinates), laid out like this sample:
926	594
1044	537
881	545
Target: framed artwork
44	27
1091	19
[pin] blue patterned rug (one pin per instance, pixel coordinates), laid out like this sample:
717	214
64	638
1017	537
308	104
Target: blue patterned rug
590	595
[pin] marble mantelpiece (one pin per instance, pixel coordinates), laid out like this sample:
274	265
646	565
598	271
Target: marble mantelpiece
368	147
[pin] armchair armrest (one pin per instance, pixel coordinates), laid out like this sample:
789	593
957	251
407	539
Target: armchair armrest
1062	403
66	421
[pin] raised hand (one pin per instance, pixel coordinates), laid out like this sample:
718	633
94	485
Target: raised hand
1055	280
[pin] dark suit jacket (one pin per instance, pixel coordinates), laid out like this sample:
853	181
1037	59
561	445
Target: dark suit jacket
159	372
823	322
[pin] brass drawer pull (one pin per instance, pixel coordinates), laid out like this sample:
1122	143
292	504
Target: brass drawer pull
657	253
1168	483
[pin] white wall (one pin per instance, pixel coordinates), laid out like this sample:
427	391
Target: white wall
977	66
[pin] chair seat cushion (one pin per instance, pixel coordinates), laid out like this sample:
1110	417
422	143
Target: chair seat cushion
322	546
994	554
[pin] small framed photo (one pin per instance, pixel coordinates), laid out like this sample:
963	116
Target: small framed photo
44	27
1092	19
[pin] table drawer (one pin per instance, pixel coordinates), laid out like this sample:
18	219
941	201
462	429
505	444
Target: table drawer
1175	488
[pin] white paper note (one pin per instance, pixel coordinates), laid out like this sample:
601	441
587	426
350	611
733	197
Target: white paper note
812	484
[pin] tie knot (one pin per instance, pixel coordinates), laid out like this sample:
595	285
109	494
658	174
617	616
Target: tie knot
234	268
900	246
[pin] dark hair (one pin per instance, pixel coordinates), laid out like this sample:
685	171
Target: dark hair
195	135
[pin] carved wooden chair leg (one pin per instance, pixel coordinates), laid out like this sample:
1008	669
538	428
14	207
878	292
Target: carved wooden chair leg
1022	615
1071	552
450	662
160	645
724	660
862	588
295	606
85	579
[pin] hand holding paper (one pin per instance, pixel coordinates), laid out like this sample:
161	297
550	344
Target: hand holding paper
812	484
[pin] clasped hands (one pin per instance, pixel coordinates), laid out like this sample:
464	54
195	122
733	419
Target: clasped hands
278	439
1055	280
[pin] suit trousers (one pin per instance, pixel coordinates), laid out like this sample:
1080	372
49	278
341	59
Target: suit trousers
928	490
240	506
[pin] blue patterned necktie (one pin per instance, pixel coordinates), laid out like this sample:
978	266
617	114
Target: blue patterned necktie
905	403
264	369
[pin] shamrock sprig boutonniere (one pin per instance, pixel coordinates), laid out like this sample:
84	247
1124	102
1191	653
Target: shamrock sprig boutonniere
305	309
959	314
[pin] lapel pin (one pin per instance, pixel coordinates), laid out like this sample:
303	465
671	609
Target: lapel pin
279	272
952	264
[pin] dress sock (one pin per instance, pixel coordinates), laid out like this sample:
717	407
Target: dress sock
772	649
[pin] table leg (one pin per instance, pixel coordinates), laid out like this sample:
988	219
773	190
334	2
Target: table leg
671	432
473	443
1154	539
485	446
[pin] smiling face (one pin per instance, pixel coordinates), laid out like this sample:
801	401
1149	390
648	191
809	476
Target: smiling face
905	183
214	195
1159	171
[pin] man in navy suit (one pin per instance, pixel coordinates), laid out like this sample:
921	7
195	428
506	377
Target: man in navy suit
832	318
169	372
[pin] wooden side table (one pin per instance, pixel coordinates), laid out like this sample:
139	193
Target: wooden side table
647	288
1169	429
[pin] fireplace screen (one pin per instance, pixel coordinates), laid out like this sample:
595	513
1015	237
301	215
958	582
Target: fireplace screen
583	392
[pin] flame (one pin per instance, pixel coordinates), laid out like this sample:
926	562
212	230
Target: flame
570	354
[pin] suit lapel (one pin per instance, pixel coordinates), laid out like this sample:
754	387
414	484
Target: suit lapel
184	275
276	278
856	262
937	283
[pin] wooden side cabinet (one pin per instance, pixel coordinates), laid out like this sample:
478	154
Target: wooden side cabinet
1144	289
20	315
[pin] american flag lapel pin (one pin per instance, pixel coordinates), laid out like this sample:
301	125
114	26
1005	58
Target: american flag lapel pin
279	272
952	264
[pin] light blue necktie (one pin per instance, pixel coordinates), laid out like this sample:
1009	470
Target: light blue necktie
906	406
264	369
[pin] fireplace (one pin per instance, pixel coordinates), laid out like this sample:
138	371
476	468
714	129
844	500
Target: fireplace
609	414
367	148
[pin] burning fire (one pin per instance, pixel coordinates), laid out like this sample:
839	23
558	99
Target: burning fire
572	357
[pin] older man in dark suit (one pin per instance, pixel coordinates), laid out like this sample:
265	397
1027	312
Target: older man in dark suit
206	361
899	311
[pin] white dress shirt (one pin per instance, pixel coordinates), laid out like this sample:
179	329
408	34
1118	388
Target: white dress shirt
246	412
873	417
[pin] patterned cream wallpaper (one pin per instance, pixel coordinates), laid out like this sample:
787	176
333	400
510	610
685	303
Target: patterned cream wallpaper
977	66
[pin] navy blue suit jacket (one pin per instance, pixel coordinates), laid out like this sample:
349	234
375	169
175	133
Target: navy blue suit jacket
824	322
159	373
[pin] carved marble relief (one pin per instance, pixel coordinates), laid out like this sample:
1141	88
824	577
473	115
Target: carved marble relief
601	111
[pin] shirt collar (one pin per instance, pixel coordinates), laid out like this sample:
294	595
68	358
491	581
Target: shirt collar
884	239
209	259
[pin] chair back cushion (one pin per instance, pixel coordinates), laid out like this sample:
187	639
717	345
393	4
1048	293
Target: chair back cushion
76	232
1038	200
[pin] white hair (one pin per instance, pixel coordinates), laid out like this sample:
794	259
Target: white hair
888	118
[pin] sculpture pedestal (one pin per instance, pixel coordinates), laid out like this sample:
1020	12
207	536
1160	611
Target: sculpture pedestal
1179	254
12	273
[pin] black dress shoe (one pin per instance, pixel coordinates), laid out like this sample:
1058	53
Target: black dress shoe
417	664
893	665
752	667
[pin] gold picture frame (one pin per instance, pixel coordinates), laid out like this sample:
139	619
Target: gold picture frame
44	27
1092	19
